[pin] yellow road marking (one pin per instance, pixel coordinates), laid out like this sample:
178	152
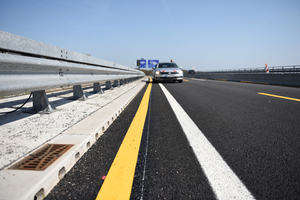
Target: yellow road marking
254	82
118	182
283	97
185	80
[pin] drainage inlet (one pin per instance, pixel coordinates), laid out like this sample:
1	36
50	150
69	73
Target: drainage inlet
42	158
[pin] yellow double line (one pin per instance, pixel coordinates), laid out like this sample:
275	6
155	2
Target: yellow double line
118	182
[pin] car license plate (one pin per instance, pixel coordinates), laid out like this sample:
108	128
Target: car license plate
168	76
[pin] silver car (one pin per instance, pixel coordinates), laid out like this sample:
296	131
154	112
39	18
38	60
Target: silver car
167	71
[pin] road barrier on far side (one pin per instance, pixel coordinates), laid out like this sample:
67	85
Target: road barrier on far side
285	75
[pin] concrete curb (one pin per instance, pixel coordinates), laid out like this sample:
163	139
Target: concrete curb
26	184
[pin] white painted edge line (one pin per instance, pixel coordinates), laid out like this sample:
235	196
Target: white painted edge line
224	182
197	79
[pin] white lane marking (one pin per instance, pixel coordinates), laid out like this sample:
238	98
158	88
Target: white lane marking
224	182
196	79
146	150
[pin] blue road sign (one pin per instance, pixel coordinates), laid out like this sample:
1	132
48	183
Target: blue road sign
143	64
152	63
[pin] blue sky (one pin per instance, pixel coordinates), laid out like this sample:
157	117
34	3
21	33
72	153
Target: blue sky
207	35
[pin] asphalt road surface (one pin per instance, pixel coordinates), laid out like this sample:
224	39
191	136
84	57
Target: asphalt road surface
255	135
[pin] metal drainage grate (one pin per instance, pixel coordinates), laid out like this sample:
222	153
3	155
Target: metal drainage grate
43	157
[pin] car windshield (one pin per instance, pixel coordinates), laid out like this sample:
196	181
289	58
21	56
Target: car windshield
167	65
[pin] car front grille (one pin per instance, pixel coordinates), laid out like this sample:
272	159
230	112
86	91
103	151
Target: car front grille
169	73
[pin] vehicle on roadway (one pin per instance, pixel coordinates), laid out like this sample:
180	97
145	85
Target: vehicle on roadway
167	71
191	71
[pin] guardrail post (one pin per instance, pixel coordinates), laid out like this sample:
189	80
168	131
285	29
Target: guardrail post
78	93
116	83
40	103
97	88
108	85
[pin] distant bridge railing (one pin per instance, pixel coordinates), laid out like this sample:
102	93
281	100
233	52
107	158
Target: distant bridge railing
283	75
30	66
275	69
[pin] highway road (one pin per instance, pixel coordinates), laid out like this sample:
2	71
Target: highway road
202	139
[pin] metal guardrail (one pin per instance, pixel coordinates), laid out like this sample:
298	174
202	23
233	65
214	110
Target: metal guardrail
278	78
261	70
30	66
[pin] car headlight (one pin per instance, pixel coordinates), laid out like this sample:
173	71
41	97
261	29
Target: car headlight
157	72
179	72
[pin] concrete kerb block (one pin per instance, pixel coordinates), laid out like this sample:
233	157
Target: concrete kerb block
97	88
40	101
108	85
116	83
41	104
78	93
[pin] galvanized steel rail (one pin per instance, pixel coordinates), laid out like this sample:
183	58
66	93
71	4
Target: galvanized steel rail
30	66
290	69
277	75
